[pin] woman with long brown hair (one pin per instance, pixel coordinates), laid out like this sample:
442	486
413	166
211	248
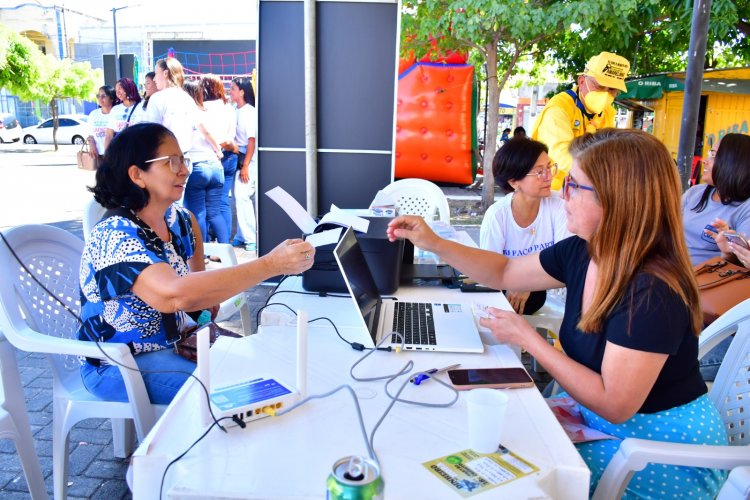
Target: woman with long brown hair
632	315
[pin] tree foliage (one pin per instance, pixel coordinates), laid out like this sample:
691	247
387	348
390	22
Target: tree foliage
31	75
502	34
656	35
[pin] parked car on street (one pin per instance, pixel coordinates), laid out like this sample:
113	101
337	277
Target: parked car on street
10	128
72	129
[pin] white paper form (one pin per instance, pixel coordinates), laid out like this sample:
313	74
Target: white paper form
324	237
343	218
293	209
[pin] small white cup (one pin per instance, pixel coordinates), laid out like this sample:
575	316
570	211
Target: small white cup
486	409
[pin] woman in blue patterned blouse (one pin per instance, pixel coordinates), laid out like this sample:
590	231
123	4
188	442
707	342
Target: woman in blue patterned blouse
143	266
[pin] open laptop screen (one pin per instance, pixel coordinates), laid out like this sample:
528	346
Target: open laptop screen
359	278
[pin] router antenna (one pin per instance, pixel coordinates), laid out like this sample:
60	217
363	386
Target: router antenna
302	353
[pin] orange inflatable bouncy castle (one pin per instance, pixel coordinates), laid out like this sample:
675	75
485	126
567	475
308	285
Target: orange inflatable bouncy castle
436	122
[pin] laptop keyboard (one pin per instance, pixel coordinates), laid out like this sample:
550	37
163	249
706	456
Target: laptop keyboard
415	322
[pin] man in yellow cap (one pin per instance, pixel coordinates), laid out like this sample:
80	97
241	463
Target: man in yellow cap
587	107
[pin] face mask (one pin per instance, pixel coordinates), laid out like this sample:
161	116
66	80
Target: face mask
597	101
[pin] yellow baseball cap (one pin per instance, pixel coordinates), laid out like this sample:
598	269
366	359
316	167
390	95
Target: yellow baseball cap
609	70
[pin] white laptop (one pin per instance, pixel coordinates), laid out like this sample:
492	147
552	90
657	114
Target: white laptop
426	326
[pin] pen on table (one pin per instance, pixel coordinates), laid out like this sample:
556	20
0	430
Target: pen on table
424	376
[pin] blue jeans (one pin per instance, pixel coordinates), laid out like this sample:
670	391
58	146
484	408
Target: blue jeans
229	162
203	193
711	361
105	382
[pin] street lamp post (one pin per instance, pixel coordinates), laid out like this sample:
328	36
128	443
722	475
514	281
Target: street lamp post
117	45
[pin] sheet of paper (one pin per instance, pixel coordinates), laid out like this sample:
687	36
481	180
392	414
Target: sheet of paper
293	209
382	200
343	218
469	473
324	237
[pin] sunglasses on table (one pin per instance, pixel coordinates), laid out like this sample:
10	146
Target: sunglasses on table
175	163
571	186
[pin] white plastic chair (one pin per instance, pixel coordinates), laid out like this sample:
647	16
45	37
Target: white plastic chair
93	213
731	395
419	197
33	321
14	421
737	486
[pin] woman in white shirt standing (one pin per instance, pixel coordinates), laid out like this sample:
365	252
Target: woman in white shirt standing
243	96
205	186
171	106
139	115
119	117
99	120
528	219
222	123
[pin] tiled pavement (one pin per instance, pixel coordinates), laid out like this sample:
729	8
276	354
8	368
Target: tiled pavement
93	472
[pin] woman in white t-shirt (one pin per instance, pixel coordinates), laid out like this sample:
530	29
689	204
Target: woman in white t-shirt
98	120
119	117
528	219
139	115
173	107
222	123
205	185
243	96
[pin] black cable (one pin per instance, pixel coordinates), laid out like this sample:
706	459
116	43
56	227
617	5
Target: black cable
96	342
354	345
268	299
164	476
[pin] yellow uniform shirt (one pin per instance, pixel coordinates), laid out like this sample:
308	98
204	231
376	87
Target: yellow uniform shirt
560	122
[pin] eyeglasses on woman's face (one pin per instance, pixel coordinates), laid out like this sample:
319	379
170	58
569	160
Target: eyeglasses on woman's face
544	173
712	152
101	96
571	188
175	163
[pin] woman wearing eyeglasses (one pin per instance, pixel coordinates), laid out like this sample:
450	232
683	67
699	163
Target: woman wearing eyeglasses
99	120
144	264
632	314
526	220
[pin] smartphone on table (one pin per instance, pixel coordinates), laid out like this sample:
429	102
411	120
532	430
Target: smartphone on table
737	239
490	378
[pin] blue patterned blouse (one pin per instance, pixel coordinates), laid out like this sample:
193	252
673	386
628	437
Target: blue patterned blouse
115	254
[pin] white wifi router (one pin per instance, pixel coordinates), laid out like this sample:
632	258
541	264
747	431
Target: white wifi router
259	397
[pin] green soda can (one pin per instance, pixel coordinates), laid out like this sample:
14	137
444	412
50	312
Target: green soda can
355	478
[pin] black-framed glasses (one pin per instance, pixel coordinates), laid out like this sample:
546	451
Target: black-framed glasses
544	173
175	163
570	185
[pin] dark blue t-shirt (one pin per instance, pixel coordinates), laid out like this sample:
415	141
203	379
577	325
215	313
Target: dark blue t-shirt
657	321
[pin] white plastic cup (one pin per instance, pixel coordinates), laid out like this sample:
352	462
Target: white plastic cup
486	409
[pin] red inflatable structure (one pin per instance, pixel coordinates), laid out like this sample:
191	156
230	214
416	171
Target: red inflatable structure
436	120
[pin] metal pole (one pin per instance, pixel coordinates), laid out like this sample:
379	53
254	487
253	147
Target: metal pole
693	82
117	46
311	111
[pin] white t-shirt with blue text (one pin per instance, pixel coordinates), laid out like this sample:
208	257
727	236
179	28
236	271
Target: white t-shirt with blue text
500	233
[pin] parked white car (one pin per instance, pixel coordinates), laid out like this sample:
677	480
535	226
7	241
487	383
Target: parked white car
10	128
72	129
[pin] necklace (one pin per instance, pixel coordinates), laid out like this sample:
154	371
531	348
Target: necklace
531	228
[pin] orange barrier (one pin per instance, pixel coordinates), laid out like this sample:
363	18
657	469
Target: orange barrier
435	123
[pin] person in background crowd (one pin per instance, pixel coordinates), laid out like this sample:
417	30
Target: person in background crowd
205	185
99	120
172	107
243	96
126	295
149	86
519	132
121	114
527	219
222	122
585	108
632	314
720	205
505	136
